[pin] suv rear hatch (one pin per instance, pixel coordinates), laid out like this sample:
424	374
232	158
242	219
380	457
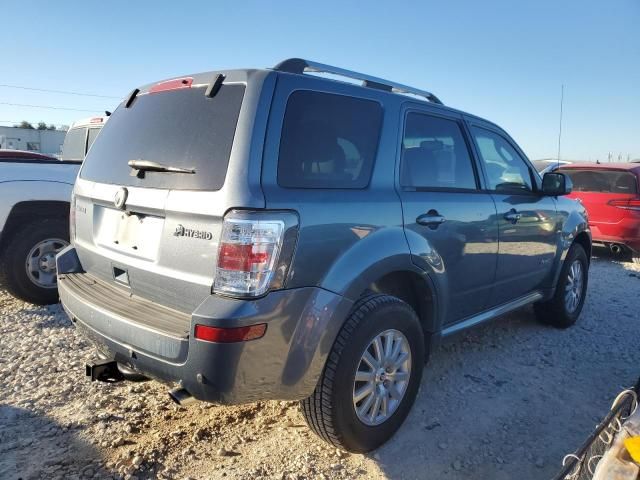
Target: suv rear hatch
152	230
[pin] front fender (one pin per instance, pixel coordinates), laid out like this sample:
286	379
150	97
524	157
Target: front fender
574	221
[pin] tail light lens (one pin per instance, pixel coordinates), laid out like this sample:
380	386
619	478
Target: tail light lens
247	255
632	204
72	218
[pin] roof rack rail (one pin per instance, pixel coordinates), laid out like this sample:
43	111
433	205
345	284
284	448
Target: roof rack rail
300	66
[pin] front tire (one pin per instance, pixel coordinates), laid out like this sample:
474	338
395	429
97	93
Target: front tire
27	265
564	308
371	377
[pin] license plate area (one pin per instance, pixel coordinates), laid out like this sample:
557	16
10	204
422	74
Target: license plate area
134	234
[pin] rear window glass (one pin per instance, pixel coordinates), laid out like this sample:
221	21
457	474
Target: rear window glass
180	128
606	181
93	133
74	143
328	141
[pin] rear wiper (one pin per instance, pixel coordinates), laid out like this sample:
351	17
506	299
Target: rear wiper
148	166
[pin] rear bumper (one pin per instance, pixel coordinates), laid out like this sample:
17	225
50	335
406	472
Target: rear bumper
625	232
284	364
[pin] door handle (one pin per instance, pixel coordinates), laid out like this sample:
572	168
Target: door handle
512	216
431	219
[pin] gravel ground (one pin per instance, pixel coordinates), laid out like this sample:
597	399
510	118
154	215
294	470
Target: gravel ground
505	400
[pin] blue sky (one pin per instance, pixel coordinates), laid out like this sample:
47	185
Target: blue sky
503	60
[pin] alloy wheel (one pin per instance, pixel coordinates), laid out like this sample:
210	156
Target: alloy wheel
382	377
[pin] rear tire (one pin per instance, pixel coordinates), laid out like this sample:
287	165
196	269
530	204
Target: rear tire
36	243
334	411
564	308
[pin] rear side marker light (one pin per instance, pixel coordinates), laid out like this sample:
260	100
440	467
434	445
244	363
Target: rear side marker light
176	84
72	218
230	335
633	204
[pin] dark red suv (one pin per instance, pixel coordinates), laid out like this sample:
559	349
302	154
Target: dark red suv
611	196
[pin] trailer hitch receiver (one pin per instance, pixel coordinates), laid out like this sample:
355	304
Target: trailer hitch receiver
104	371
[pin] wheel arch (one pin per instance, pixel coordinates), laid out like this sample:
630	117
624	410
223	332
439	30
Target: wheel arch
575	231
32	210
382	263
583	239
417	291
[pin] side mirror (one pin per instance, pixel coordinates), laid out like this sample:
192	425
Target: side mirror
555	184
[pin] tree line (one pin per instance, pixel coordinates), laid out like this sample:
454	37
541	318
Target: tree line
39	126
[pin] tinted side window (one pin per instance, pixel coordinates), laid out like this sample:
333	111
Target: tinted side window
435	154
328	141
74	143
506	169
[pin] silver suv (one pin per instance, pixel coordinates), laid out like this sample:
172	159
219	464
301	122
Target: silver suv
276	234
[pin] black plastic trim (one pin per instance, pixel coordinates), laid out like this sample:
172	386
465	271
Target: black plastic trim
214	86
131	97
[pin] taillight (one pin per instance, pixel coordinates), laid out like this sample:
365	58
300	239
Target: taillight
632	204
72	218
247	255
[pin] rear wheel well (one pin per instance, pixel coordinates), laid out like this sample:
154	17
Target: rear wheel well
412	289
583	240
32	211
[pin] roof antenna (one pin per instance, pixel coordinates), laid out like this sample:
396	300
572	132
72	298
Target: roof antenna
560	129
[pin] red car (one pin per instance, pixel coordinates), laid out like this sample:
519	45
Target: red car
611	194
24	156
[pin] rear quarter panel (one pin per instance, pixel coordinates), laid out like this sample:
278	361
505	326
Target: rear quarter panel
346	236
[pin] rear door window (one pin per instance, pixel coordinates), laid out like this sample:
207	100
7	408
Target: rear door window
604	181
435	154
328	141
180	128
74	144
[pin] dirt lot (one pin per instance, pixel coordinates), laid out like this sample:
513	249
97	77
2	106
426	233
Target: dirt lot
506	400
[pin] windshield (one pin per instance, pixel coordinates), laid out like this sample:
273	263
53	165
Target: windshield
607	181
181	128
74	144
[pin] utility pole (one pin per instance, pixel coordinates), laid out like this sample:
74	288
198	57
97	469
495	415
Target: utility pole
560	129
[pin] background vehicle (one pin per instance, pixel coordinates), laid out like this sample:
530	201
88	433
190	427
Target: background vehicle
35	190
548	165
267	234
80	137
610	193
